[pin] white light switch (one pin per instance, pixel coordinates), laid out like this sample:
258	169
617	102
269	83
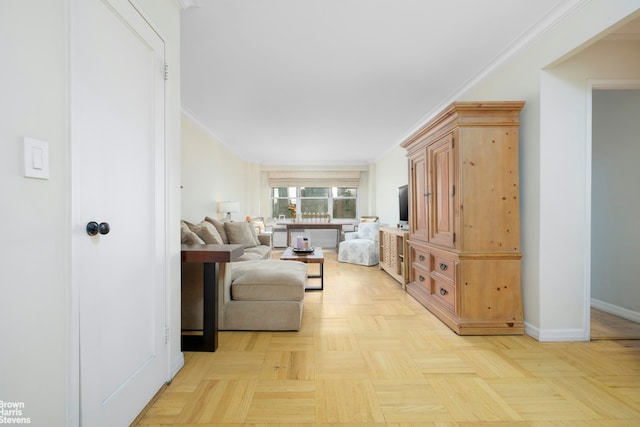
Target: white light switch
36	158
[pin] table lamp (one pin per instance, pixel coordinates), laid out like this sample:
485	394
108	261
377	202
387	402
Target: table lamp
228	207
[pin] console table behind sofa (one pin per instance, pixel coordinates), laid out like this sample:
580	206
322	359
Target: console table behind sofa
210	256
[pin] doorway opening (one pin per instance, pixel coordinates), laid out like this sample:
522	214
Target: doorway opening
612	149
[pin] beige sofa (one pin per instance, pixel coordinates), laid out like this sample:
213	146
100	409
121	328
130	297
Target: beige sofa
255	293
216	232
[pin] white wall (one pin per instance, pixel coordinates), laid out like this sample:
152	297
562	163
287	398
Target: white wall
35	359
212	173
391	173
34	218
615	202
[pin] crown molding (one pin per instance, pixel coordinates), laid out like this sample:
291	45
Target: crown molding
517	47
186	4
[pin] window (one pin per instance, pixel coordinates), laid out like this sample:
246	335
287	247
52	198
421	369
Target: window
340	202
344	202
282	198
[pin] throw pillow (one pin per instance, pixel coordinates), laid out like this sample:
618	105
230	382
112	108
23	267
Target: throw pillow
219	225
258	225
188	237
241	233
207	232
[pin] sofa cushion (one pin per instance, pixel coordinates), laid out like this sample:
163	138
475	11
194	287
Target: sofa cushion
256	252
265	239
187	236
219	225
249	256
262	251
268	280
207	232
241	233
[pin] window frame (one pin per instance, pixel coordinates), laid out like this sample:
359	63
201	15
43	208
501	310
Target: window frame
298	198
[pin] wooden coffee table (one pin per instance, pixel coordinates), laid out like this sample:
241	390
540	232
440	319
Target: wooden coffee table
315	257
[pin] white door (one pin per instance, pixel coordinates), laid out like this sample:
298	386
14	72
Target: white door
118	179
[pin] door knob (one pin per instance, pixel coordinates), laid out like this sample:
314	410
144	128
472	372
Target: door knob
94	228
104	228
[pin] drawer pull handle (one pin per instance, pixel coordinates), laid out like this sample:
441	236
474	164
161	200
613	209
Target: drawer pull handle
421	257
443	291
421	278
443	266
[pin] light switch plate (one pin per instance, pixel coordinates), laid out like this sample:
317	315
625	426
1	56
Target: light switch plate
36	158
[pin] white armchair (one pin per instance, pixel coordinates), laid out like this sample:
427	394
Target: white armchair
361	247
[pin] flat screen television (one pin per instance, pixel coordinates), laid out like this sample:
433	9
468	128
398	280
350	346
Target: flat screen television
403	206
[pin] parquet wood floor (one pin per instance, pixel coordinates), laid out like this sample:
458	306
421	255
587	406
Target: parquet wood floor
606	326
369	355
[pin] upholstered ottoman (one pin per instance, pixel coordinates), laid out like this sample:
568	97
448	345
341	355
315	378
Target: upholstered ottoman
265	295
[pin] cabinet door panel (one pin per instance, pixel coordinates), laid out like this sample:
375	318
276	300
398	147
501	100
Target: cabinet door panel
441	188
418	197
385	254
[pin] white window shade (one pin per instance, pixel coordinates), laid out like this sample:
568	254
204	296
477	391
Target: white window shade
314	179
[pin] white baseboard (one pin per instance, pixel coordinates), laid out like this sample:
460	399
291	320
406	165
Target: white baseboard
176	365
555	335
532	331
616	310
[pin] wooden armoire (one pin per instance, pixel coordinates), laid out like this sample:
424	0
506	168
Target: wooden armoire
464	217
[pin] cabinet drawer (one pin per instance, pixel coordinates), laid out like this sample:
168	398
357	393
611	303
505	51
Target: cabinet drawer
421	258
444	292
421	277
444	266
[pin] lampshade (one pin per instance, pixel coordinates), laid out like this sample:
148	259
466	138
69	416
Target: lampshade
228	207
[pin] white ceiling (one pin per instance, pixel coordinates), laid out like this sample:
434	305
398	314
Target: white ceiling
341	82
